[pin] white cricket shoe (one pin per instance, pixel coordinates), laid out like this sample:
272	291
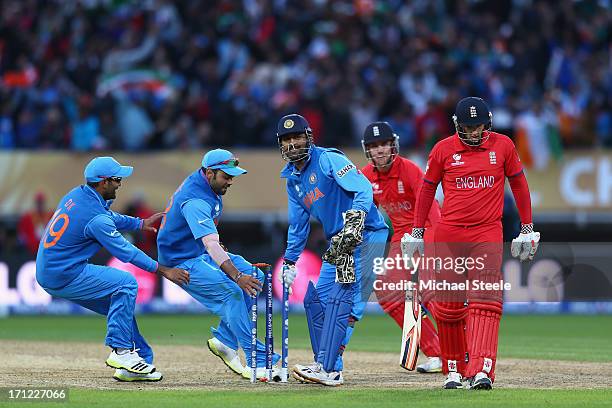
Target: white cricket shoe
316	374
126	376
299	368
453	381
129	361
432	365
480	381
228	355
262	373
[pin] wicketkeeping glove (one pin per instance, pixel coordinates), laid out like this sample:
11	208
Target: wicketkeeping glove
526	244
345	269
348	238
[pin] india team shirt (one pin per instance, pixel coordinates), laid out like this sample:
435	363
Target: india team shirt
472	178
192	213
396	192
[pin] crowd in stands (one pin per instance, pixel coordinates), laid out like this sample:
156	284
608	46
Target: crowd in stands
159	74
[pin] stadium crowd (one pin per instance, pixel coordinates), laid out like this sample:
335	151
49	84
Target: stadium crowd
157	74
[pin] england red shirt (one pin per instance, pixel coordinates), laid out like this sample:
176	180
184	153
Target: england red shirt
473	178
396	191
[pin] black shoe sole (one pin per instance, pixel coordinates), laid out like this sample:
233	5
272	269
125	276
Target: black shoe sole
484	385
453	386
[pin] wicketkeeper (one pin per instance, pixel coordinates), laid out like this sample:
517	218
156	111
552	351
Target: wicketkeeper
324	184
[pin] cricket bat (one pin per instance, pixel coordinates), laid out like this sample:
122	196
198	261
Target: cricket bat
411	333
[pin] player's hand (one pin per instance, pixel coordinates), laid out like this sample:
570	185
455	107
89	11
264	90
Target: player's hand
249	284
175	275
526	244
413	242
149	223
288	274
352	232
345	241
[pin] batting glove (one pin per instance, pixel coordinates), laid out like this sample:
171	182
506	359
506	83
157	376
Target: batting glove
526	244
288	274
413	242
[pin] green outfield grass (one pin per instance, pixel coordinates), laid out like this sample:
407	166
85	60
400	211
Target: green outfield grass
319	397
584	338
555	337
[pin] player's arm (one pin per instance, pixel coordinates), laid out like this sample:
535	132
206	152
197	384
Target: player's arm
127	223
427	191
526	244
349	178
340	251
299	228
103	229
414	179
198	214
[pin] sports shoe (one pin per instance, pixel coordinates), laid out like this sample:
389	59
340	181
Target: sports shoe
480	381
262	373
453	381
299	368
432	365
228	355
125	375
315	373
129	361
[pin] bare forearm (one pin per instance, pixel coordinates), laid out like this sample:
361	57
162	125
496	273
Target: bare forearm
230	270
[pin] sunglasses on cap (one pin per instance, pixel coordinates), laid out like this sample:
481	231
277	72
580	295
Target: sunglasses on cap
229	162
115	179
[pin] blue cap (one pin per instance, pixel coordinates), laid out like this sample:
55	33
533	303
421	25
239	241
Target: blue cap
220	159
103	167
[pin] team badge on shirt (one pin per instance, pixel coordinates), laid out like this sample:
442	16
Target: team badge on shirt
312	178
400	187
457	158
492	158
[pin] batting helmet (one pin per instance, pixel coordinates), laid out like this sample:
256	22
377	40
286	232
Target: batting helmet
293	124
471	112
380	132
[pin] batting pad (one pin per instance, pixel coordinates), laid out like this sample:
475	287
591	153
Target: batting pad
337	313
315	316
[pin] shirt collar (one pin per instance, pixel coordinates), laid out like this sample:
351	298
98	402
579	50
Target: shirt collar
91	191
462	147
290	171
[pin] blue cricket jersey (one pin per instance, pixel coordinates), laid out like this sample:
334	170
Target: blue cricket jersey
325	188
81	225
193	212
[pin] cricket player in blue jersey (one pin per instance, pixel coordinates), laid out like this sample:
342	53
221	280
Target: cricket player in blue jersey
220	281
323	183
81	225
